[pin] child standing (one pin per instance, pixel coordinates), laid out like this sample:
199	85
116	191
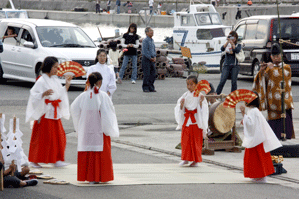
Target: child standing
114	55
95	122
191	114
259	140
130	5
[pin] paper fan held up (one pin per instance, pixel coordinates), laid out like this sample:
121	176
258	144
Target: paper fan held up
70	68
237	96
202	85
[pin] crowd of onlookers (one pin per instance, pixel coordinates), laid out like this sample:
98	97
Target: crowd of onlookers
129	7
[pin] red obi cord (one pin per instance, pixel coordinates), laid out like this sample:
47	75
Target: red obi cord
189	114
55	104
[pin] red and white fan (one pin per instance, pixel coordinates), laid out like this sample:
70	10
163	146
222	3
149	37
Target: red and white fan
237	96
70	68
202	85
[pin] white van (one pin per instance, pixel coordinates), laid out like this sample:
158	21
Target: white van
39	38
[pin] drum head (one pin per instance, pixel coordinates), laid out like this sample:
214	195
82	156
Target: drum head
224	118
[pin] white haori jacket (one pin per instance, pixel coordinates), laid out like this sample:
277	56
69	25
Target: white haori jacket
257	131
108	82
93	114
38	106
192	103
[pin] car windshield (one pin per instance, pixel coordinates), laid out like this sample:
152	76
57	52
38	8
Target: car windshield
289	28
208	19
64	37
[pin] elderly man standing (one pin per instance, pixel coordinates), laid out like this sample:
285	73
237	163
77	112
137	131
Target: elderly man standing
148	61
1	50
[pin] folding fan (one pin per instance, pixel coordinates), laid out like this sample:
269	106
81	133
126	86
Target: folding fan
239	95
70	68
203	85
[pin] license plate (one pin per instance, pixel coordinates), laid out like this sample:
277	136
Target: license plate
294	56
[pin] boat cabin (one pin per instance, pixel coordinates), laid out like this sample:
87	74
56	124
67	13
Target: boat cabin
199	29
12	13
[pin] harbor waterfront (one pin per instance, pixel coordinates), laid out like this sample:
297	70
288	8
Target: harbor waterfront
228	14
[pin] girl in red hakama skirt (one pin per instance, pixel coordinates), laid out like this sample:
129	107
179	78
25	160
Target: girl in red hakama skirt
192	114
95	122
48	102
259	140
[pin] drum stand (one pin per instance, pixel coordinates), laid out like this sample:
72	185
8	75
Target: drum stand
228	145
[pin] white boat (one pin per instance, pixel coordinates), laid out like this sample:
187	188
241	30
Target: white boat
201	30
12	13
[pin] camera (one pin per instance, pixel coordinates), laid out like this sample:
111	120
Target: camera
230	37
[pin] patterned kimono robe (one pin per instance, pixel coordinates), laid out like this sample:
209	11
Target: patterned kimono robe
268	86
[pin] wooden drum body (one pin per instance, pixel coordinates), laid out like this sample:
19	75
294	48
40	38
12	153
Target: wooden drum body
221	119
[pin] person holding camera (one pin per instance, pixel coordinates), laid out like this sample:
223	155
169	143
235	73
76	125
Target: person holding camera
230	65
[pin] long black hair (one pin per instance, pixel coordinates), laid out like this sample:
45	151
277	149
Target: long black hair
255	102
93	78
99	52
132	25
48	64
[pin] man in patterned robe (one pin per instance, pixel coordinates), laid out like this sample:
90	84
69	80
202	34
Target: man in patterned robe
268	85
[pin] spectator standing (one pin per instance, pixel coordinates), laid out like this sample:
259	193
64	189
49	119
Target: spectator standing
151	5
1	50
148	61
130	5
230	65
108	6
130	41
98	7
114	55
159	8
118	6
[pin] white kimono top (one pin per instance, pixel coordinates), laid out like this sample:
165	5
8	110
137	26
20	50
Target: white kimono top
38	106
192	103
257	131
93	114
108	82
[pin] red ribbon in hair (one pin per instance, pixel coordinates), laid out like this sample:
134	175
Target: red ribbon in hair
55	104
189	114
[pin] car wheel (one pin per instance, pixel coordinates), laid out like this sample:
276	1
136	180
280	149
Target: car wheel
255	68
2	80
221	64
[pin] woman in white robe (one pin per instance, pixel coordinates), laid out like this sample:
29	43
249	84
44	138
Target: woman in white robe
95	122
48	102
107	72
259	140
191	114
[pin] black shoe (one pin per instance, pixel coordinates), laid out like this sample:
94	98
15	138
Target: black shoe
146	91
153	91
32	182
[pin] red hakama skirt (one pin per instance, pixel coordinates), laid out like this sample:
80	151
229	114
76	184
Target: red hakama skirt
48	141
191	143
96	166
257	163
